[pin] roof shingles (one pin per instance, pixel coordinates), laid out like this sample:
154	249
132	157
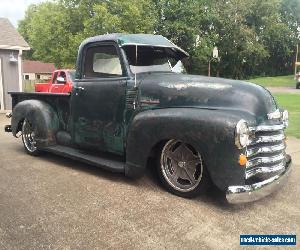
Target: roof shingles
37	67
9	36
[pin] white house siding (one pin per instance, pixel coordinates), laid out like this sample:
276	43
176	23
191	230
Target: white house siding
34	76
31	76
10	75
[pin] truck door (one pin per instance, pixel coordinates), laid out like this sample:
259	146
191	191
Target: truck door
98	99
52	82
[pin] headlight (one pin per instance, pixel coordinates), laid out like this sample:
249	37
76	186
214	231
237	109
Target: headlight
242	134
285	118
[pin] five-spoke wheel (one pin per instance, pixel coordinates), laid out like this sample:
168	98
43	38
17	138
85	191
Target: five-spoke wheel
181	169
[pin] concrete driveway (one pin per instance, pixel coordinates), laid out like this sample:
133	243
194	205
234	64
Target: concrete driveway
49	202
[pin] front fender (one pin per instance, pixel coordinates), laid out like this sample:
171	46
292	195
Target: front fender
210	132
43	118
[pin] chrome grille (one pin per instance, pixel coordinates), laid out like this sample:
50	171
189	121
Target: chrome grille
266	151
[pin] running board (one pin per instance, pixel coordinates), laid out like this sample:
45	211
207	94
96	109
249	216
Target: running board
102	160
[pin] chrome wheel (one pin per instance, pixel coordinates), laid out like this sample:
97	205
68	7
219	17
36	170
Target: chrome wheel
28	137
181	166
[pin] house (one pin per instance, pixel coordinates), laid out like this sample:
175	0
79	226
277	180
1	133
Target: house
36	70
12	45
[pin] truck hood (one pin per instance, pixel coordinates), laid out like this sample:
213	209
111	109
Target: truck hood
161	90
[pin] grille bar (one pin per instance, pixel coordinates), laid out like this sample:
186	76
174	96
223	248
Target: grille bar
264	160
264	149
276	127
268	138
259	170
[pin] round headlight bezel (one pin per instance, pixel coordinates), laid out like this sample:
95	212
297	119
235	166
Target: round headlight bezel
242	134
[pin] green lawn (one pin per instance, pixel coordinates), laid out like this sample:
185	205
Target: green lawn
276	81
291	102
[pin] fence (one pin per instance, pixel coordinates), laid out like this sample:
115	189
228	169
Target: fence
28	85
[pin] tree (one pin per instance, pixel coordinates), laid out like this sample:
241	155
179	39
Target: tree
46	29
254	37
55	29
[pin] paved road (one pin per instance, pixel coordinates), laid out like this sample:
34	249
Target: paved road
54	203
286	90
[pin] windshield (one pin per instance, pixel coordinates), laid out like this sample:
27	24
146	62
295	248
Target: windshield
72	75
149	59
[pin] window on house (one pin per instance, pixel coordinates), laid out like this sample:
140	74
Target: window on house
26	77
38	76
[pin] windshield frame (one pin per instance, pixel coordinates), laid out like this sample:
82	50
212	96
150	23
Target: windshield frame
180	56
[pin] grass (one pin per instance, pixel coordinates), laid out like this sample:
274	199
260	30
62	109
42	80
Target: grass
276	81
291	102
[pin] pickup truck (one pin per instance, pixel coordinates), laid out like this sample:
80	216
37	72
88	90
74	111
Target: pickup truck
131	101
60	82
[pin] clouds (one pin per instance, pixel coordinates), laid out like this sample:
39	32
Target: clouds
14	10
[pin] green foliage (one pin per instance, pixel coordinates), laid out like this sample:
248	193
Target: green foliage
254	37
55	30
291	102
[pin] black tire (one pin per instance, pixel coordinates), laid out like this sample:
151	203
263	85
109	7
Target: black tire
298	85
189	178
28	138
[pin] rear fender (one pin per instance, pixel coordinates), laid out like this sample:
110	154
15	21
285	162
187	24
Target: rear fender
43	118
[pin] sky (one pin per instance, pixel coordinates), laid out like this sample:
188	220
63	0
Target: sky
14	10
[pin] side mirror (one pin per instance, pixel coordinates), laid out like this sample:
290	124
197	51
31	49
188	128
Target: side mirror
60	80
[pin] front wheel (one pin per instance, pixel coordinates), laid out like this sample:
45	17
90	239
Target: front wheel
28	138
181	169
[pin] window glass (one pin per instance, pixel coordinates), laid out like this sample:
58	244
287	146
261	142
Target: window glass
102	61
149	59
55	77
72	75
63	75
26	77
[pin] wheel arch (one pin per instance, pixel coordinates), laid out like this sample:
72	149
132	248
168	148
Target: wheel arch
42	116
210	132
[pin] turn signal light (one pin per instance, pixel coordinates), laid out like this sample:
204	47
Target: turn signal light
242	160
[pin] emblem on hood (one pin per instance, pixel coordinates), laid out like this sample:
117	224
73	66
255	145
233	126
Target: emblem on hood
275	115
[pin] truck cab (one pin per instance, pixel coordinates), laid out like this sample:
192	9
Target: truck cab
132	101
61	81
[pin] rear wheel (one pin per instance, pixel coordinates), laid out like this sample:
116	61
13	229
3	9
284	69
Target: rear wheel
181	169
297	85
28	138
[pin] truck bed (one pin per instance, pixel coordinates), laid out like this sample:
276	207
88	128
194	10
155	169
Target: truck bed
43	96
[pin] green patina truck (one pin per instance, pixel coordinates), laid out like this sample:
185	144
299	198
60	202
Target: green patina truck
132	101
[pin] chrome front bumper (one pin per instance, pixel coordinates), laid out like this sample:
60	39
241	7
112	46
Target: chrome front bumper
256	191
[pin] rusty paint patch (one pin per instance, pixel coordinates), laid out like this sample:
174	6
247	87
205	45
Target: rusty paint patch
182	86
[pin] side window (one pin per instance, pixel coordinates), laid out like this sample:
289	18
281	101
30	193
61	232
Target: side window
55	77
63	75
102	61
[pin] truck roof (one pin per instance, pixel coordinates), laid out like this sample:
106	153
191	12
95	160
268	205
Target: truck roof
135	39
